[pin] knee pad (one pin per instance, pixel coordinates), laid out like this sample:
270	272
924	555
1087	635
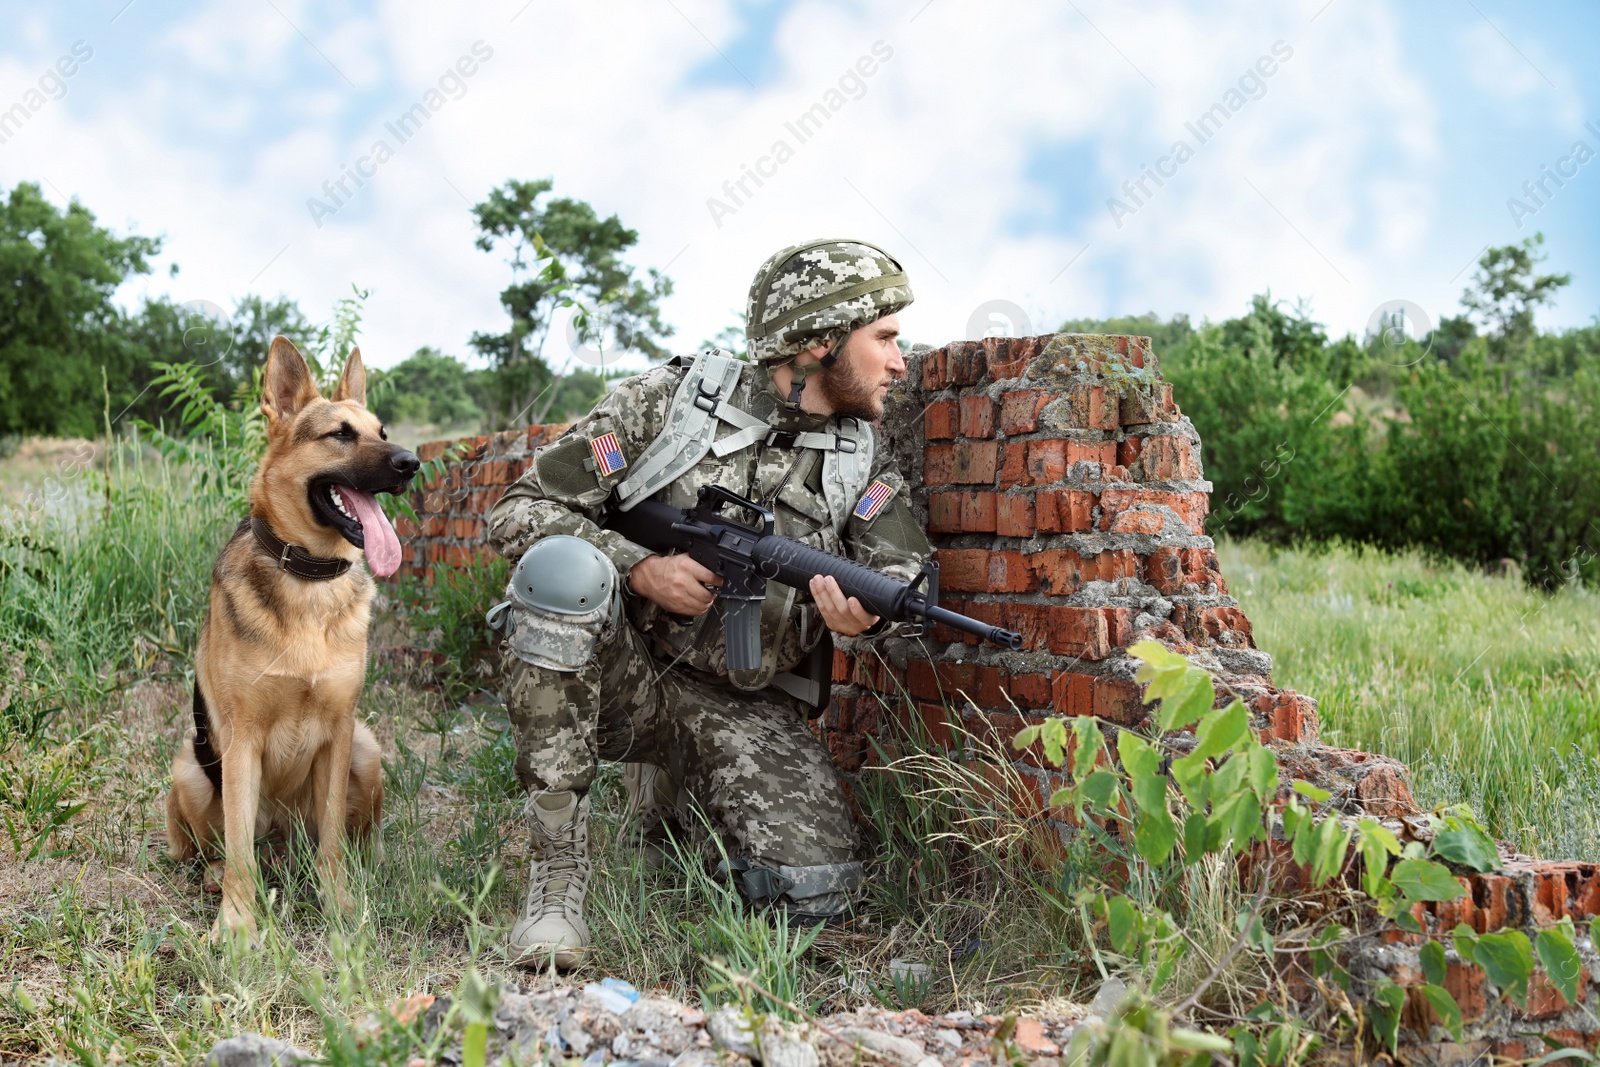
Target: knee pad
815	893
563	594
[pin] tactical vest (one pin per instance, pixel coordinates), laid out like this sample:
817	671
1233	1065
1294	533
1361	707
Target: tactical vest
700	406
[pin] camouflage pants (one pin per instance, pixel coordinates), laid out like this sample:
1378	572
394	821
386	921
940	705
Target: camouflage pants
748	760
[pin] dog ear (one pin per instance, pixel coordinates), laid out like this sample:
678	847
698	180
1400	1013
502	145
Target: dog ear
353	382
287	386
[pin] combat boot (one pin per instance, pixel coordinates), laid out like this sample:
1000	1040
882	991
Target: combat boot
552	925
651	818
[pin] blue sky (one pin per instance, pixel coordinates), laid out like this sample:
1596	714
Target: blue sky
983	147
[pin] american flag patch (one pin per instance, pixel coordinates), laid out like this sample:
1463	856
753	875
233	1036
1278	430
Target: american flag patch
877	495
607	454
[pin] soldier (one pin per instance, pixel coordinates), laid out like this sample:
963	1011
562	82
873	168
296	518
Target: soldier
613	651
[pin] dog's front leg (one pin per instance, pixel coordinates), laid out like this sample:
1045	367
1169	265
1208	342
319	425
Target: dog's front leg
332	786
241	797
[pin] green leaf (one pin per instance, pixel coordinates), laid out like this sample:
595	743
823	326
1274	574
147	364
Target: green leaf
1377	845
1387	1000
1154	654
1025	737
1263	773
1124	925
1191	698
1055	742
1433	964
1194	837
1099	788
1246	825
1468	846
1221	729
1155	836
1138	757
1425	880
1466	942
1246	1049
1193	780
1333	844
1445	1006
1316	795
1199	1041
1507	958
1090	743
1560	959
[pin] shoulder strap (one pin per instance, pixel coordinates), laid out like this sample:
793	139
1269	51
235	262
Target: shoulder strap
690	427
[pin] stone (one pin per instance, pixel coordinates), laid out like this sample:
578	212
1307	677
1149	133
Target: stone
781	1050
254	1050
730	1029
900	1050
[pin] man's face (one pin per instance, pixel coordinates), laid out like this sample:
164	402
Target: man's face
857	384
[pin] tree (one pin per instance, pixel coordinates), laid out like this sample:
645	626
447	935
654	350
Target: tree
1505	291
58	327
562	254
426	387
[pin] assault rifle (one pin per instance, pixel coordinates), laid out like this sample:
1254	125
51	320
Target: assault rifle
748	555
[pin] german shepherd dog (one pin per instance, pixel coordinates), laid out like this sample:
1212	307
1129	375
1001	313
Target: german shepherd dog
283	652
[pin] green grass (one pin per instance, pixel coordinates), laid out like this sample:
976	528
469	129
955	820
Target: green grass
1488	690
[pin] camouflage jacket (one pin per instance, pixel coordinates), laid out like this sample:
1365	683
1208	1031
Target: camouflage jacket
557	495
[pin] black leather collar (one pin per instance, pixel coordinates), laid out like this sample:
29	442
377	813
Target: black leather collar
292	558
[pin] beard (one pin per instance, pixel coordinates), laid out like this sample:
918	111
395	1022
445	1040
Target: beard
848	392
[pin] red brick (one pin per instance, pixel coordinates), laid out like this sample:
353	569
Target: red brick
1009	572
1077	509
1032	621
922	681
1080	632
1099	411
1117	700
467	529
935	725
939	420
1190	507
1549	897
1010	356
1465	982
977	416
1585	902
978	512
1047	461
1061	571
1494	897
1101	452
1019	411
1072	693
965	363
1545	1000
991	688
1030	690
964	462
1014	515
1119	625
963	570
848	750
991	612
431	450
841	665
1144	522
944	512
839	714
933	370
456	556
1014	465
1168	458
939	464
1128	451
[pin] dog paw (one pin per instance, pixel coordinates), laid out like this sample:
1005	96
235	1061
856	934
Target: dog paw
235	929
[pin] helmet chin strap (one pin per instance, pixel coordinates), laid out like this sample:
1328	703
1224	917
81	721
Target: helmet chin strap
797	383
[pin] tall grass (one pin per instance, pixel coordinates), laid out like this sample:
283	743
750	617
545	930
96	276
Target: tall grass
1489	690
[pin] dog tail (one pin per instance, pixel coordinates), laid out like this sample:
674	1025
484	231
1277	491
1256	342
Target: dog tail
204	753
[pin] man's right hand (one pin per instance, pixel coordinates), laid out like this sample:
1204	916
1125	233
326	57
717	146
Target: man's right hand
677	583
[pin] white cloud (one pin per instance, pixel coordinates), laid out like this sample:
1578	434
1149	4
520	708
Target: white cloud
930	161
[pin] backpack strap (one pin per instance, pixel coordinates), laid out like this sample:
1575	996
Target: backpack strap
690	427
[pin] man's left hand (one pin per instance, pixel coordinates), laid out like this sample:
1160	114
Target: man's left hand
844	615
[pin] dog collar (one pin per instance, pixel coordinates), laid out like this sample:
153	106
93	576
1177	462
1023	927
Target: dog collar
292	558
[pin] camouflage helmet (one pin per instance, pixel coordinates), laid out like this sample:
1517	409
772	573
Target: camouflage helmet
816	293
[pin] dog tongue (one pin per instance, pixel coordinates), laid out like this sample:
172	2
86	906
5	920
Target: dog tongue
382	546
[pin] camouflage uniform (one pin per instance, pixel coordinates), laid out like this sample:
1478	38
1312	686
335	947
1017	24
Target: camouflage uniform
588	682
657	690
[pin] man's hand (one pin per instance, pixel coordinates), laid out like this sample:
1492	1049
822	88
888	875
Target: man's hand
677	583
845	617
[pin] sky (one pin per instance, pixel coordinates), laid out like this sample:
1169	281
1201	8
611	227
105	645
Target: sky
1027	162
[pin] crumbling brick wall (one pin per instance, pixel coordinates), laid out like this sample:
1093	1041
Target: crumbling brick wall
1065	494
